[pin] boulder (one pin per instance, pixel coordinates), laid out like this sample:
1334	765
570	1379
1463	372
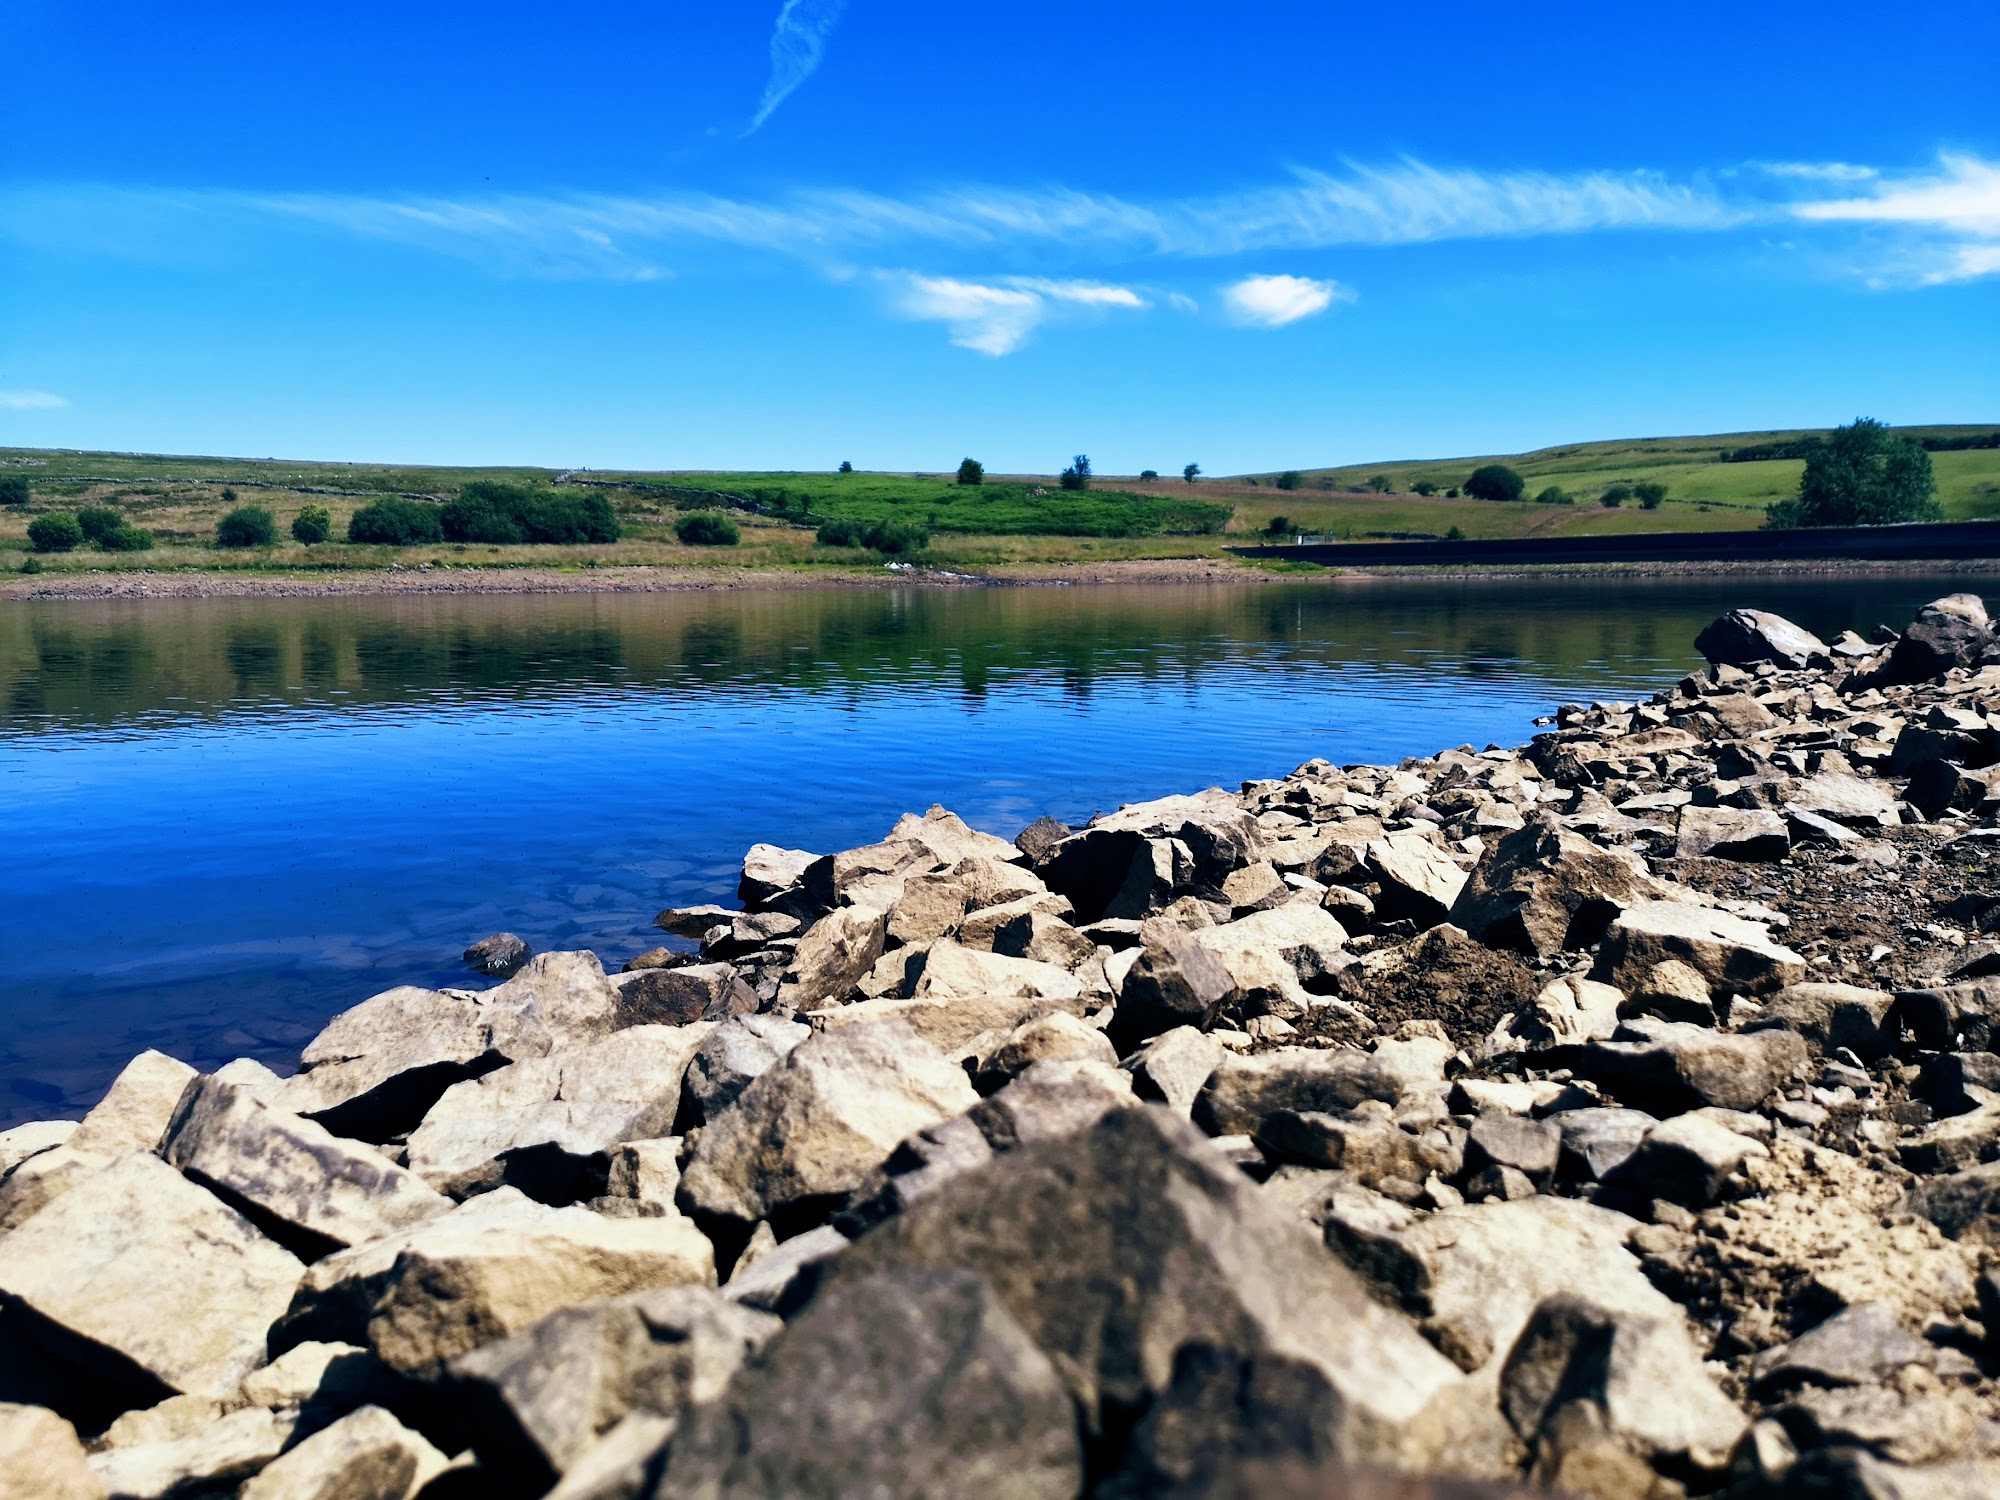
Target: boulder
770	873
41	1459
533	1403
454	1287
1530	1147
1865	1344
783	1279
247	1073
1595	1141
1566	1010
134	1112
1733	953
1114	1247
1542	889
1040	836
621	1465
693	922
646	1172
1276	951
978	1408
32	1139
501	956
42	1178
215	1457
731	1057
1173	982
549	1124
375	1069
1746	637
155	1286
1944	635
1031	933
570	993
684	995
323	1378
833	955
813	1125
1372	1148
1171	1068
953	972
1684	1160
1056	1037
1420	882
1753	837
1964	1204
1843	798
311	1188
1243	1090
950	1025
1668	1067
1831	1016
366	1455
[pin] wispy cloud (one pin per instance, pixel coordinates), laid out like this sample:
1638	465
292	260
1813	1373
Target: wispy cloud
1818	171
798	42
1952	213
996	317
1274	301
30	401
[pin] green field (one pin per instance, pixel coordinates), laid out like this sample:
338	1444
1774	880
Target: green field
1011	520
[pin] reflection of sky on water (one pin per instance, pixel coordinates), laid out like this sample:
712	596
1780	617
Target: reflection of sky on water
217	840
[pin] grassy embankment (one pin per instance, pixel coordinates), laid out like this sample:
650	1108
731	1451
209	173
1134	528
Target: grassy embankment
1011	520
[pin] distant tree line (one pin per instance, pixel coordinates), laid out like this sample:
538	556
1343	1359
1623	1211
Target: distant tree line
1806	447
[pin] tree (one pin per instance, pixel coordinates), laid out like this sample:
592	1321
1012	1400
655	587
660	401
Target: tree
1291	479
1191	473
1425	488
1865	475
707	529
1278	526
13	489
247	526
1615	496
1149	473
1555	494
391	522
846	467
1381	484
312	525
1651	495
1495	482
57	532
972	471
1077	475
98	522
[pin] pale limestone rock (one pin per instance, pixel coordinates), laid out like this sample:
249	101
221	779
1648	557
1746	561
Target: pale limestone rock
366	1455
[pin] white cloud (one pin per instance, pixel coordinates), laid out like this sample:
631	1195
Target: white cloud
30	401
1818	171
1274	301
1947	223
798	42
996	318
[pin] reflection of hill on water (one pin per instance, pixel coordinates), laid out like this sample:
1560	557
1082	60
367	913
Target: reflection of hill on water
67	667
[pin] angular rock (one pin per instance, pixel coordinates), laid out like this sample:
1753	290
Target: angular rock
1746	637
1944	635
548	1125
1116	1246
682	996
41	1459
784	1279
1373	1149
309	1186
1172	1067
1530	1147
1056	1037
646	1172
1848	800
216	1457
1754	837
1033	934
833	955
694	922
534	1402
32	1139
1541	890
1865	1344
979	1409
1831	1016
42	1178
731	1057
323	1377
624	1464
952	972
501	956
1420	882
1732	953
366	1455
155	1285
1684	1160
1595	1141
1964	1204
770	873
813	1125
1668	1068
133	1114
455	1287
1273	953
1243	1090
1174	982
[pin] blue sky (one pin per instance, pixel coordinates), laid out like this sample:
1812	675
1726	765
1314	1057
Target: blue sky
790	232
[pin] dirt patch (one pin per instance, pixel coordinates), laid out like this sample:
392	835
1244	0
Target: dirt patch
1442	976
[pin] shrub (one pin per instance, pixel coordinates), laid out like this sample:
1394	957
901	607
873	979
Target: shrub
13	490
707	529
1077	475
1291	479
312	525
1650	495
507	514
1278	526
247	526
1381	484
846	467
892	537
31	564
1555	494
395	523
56	532
1424	487
98	522
228	496
1615	496
1456	534
1864	475
972	471
1149	473
126	538
1495	482
1451	494
839	532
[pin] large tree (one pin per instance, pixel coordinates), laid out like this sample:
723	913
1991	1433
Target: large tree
1864	475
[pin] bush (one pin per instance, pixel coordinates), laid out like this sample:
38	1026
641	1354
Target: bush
1451	494
56	532
1495	482
707	529
1381	484
228	496
1278	526
892	537
1149	473
247	526
126	538
312	525
395	523
31	564
1865	475
1077	475
972	471
1615	496
839	532
1650	495
1555	494
98	522
13	490
1424	487
505	515
1456	534
1291	479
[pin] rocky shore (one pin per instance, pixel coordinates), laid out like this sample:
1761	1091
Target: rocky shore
1616	1116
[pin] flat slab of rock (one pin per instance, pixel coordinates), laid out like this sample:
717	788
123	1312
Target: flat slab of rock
1753	836
1668	1067
1241	1091
158	1282
294	1172
1731	952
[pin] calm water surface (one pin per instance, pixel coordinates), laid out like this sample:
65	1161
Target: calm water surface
228	819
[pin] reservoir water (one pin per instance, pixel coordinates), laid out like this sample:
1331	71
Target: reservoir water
228	819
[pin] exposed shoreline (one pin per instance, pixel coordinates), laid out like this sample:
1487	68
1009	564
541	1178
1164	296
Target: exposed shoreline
108	584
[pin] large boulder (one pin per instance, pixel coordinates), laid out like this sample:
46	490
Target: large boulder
1747	637
1542	889
733	1056
454	1287
813	1125
1949	632
1174	982
1750	835
1731	952
1241	1091
951	971
833	955
549	1124
315	1189
534	1402
366	1455
41	1459
134	1113
1272	955
154	1285
772	873
1669	1067
1114	1247
912	1382
1420	882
